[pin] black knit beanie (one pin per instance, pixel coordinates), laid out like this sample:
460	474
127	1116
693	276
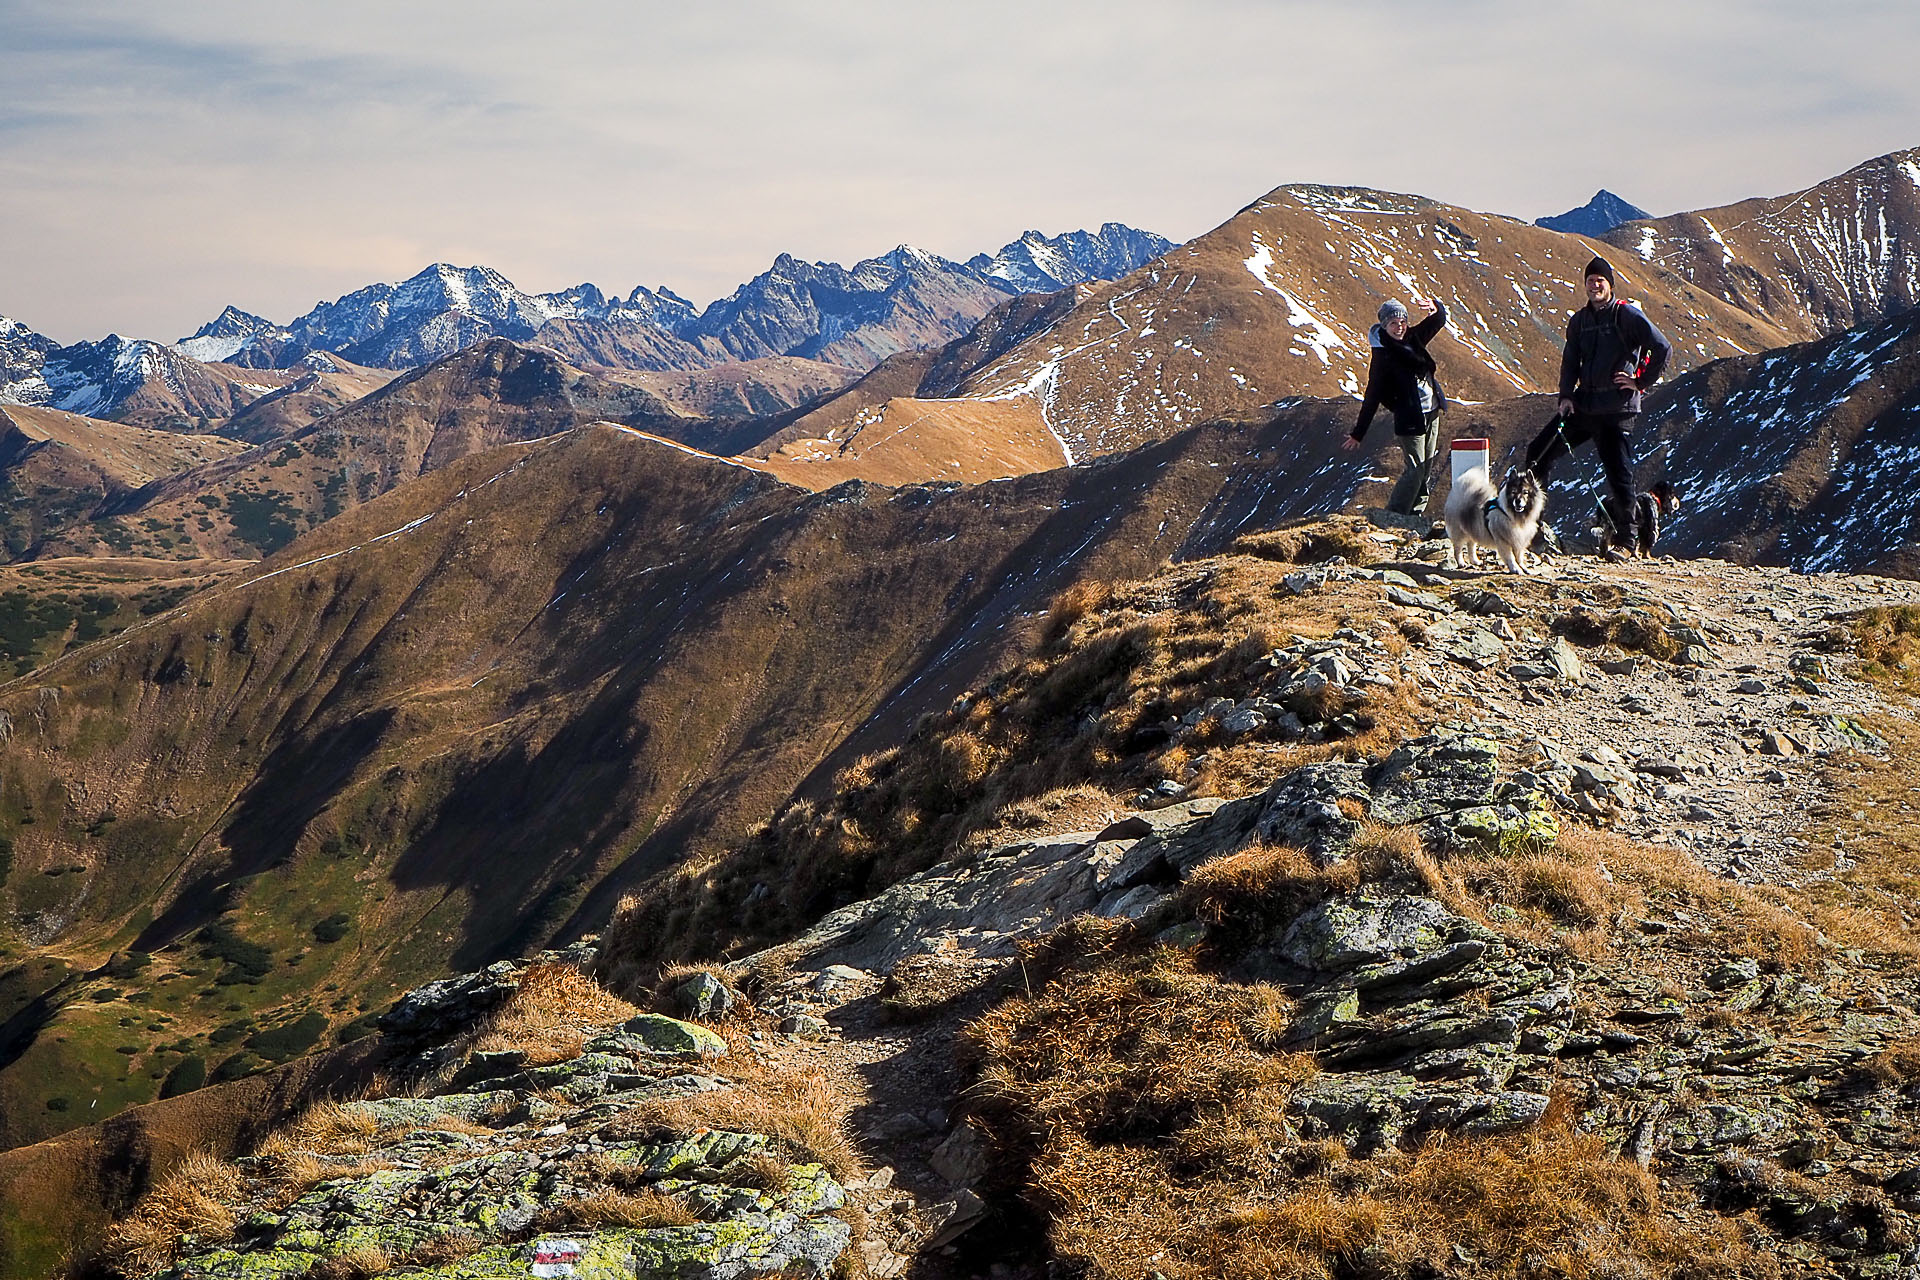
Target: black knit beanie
1599	267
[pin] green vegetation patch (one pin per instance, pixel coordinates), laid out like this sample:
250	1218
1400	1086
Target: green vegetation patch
291	1039
247	962
265	521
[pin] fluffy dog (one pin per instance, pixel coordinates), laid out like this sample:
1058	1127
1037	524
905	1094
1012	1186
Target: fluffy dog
1503	519
1662	502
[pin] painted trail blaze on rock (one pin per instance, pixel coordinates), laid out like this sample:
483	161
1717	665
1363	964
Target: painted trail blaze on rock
555	1257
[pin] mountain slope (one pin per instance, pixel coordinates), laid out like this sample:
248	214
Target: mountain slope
22	355
741	389
225	335
150	384
856	317
1840	253
58	468
1035	263
473	711
1802	456
1278	300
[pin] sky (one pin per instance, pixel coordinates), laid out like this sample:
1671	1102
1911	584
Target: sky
159	162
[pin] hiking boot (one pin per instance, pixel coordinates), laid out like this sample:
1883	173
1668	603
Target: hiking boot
1615	555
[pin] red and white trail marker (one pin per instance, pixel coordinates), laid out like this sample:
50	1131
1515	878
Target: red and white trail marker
553	1258
1470	452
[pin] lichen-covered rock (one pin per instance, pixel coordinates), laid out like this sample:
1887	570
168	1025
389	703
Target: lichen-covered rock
1303	808
442	1008
655	1036
1432	775
1345	933
474	1107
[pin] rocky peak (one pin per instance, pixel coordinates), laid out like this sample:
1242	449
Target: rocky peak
1037	263
22	355
226	334
1596	217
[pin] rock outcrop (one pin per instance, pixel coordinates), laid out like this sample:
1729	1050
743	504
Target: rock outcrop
518	1165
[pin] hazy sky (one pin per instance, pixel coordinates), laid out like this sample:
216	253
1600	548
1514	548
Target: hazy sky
158	161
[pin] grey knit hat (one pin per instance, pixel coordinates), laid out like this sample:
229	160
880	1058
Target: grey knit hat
1391	309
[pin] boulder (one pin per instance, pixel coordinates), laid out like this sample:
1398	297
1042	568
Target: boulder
669	1038
704	996
1345	933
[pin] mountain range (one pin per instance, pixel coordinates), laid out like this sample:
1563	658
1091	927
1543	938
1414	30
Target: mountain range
845	319
452	656
1277	302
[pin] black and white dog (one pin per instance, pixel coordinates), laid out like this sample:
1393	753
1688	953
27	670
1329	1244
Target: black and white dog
1662	502
1503	519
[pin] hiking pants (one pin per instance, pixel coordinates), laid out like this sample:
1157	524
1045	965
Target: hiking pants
1609	435
1409	497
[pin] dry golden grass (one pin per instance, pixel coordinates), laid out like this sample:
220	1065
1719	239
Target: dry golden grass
1759	924
1239	896
1870	903
442	1250
1074	808
291	1172
802	1112
195	1200
1888	642
358	1263
545	1017
1314	542
769	1172
1897	1066
1071	605
1150	1114
1130	1043
1636	630
1081	714
328	1129
641	1210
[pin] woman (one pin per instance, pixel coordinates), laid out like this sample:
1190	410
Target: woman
1402	379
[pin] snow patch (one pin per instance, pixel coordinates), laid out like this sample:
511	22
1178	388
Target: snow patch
1318	335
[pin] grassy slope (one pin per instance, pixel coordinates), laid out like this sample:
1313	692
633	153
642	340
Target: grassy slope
471	736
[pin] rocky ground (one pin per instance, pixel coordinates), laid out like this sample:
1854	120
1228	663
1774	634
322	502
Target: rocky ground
1613	812
1750	1083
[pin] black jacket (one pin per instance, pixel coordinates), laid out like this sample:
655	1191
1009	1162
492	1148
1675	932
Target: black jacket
1614	339
1394	375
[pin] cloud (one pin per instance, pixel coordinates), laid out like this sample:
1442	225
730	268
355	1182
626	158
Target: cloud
157	163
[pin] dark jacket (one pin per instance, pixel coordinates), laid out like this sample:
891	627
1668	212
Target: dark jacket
1616	338
1393	377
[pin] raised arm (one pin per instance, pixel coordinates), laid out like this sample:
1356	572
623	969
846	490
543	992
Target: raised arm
1421	334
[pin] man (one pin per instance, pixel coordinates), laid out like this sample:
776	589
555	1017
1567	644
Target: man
1613	353
1402	378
